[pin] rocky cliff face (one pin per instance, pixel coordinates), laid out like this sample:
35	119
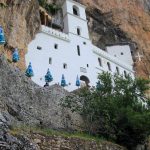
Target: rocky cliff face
23	102
20	20
113	21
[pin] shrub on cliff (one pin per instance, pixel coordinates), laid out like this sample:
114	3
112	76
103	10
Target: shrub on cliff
117	109
50	8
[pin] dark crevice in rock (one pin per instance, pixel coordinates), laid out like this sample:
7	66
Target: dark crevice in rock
102	30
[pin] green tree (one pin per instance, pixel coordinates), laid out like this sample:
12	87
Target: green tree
116	110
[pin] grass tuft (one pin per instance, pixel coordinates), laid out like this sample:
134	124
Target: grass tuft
50	132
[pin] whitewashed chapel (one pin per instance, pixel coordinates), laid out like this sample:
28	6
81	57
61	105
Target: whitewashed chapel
72	53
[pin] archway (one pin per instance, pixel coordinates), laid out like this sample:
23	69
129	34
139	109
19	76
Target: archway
85	80
76	11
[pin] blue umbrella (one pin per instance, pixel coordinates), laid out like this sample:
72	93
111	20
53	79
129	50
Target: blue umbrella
48	77
2	37
77	81
63	81
99	85
29	71
15	56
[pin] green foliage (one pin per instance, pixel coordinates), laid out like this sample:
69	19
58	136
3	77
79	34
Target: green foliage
50	132
115	110
2	5
51	8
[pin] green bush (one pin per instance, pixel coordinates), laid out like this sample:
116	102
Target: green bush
50	8
115	109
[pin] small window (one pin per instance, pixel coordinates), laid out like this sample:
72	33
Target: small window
122	53
76	10
84	43
39	48
65	66
100	62
78	31
50	60
87	65
78	50
125	74
117	70
56	46
109	66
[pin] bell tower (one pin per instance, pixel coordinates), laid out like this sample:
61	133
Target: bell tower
74	18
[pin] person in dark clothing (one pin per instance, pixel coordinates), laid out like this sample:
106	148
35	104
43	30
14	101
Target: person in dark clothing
46	85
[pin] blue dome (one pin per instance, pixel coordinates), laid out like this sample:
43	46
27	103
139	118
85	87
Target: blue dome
2	37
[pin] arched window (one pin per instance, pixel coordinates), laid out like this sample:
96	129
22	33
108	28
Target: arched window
109	66
117	70
100	62
85	79
76	10
125	74
78	31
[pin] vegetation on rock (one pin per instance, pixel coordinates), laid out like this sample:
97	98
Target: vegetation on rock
116	109
50	8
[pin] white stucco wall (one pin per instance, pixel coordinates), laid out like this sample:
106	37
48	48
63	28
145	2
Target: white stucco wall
72	22
68	8
84	65
67	53
122	52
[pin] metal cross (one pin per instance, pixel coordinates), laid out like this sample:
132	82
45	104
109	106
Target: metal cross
139	56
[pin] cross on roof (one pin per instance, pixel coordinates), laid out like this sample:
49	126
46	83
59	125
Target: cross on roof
139	56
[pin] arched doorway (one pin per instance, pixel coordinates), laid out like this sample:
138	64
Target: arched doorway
84	80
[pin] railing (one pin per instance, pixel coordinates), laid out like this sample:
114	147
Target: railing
55	33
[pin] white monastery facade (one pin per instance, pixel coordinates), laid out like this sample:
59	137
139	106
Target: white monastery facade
72	53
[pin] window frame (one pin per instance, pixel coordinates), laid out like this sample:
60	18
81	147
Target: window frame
109	66
78	50
100	62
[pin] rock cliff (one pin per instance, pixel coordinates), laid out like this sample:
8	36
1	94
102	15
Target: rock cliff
23	102
20	20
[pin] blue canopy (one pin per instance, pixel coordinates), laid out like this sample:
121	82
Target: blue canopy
29	71
2	37
63	81
48	77
77	81
15	55
99	85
